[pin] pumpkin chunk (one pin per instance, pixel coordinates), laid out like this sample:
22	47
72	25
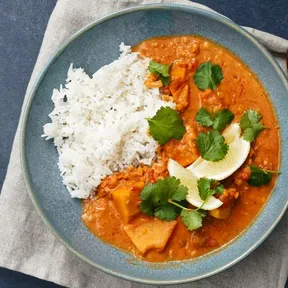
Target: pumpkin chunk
126	200
178	72
221	213
228	198
148	233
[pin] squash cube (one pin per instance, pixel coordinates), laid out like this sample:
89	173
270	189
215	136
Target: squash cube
126	201
149	233
178	72
221	213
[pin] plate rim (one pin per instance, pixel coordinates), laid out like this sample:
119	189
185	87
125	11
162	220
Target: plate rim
28	101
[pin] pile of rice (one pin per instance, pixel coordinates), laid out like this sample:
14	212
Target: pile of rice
98	124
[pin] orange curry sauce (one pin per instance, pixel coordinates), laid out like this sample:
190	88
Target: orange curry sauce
238	91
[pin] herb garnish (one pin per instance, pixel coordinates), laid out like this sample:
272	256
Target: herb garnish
164	199
209	187
204	118
259	176
166	125
208	76
251	125
162	70
155	198
193	218
218	121
222	118
212	145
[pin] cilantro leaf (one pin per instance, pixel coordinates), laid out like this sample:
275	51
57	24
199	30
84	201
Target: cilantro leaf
204	190
208	187
165	80
193	218
148	202
251	125
219	121
219	189
204	118
248	135
155	198
180	193
171	189
156	67
166	125
165	199
208	76
212	145
161	70
222	118
259	177
166	212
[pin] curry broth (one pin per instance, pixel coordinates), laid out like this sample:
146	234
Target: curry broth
239	90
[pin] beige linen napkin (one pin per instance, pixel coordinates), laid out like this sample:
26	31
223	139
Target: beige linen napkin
26	245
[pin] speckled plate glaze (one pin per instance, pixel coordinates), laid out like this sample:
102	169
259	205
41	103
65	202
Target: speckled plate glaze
95	46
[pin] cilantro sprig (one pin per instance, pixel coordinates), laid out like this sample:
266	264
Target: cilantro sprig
164	199
259	176
155	198
251	125
206	188
209	187
217	121
208	76
204	118
212	146
166	125
192	219
162	70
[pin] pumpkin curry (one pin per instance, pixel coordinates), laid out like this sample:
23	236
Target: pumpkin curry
212	90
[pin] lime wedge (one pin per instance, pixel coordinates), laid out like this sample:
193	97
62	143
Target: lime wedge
190	181
236	156
232	133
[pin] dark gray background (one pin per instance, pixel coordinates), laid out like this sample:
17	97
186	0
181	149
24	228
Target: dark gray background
22	26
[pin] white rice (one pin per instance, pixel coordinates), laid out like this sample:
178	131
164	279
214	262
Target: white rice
101	128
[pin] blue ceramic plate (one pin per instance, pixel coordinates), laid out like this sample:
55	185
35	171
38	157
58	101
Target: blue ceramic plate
97	45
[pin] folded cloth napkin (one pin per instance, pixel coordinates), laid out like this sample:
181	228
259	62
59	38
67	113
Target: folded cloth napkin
29	247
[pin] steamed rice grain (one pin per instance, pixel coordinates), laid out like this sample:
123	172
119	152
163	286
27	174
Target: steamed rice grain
98	124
